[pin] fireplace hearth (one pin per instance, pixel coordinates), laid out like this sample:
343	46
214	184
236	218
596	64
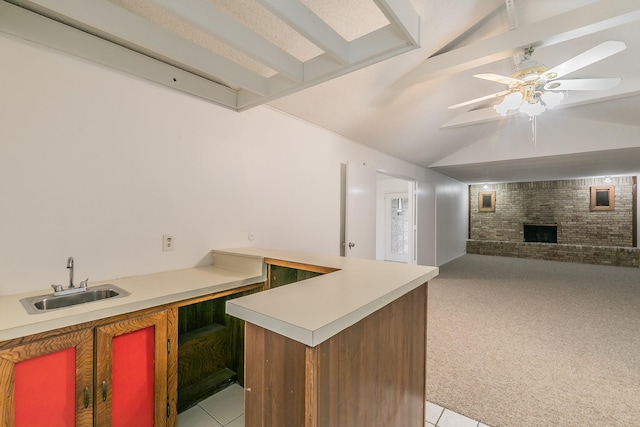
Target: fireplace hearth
541	233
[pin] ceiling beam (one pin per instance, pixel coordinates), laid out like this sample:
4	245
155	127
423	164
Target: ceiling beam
468	32
377	43
103	32
105	19
404	16
308	24
589	19
223	27
374	47
27	25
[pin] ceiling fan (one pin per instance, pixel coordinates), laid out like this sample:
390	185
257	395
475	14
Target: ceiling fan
535	88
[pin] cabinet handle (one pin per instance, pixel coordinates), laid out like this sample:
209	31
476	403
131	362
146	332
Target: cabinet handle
86	397
104	391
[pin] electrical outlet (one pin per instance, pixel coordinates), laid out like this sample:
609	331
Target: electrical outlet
168	242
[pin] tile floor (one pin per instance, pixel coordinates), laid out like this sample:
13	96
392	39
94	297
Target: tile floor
437	416
226	409
223	409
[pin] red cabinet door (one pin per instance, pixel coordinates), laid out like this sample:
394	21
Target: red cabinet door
48	383
131	372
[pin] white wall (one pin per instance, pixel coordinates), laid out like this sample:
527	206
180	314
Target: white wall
452	211
97	165
426	248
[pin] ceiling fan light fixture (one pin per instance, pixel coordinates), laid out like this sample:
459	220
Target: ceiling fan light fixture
532	108
512	101
529	101
501	109
552	99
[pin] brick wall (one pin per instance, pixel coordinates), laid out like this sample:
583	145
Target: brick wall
565	203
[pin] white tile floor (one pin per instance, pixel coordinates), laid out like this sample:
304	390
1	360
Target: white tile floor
437	416
223	409
226	409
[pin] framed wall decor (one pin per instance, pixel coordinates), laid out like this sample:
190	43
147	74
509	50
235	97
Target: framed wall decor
487	201
602	197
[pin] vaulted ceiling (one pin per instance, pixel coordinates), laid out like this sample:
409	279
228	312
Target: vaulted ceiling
400	106
380	72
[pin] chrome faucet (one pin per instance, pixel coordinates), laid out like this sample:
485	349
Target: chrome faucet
70	267
59	289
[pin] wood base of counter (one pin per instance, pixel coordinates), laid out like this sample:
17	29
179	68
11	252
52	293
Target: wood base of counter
371	374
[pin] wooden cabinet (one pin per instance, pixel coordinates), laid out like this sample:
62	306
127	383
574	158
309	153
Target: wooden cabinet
371	374
210	349
280	273
131	372
49	382
123	370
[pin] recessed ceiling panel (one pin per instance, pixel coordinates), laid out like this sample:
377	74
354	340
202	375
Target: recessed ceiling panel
257	18
351	19
261	49
156	14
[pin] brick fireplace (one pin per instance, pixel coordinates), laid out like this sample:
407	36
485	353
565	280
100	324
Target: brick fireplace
554	220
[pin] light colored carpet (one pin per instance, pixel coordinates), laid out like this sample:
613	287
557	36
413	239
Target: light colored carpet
526	343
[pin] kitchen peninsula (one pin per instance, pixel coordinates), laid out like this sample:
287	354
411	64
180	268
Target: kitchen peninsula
345	348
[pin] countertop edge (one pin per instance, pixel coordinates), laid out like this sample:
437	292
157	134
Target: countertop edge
235	268
256	308
34	324
312	338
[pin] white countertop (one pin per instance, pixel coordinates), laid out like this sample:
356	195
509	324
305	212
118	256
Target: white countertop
309	311
313	310
147	291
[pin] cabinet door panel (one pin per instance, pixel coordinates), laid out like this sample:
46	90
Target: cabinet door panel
45	388
131	376
49	382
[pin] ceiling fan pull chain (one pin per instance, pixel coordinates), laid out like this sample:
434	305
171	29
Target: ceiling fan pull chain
532	119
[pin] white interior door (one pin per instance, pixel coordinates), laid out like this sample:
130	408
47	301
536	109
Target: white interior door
360	218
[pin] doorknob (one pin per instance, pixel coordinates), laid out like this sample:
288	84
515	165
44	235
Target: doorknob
351	245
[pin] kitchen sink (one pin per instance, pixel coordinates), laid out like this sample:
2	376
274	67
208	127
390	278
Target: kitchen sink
49	302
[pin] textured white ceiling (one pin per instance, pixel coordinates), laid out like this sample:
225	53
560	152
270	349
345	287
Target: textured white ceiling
350	66
237	53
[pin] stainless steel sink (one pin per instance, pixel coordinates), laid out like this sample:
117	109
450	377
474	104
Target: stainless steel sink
49	302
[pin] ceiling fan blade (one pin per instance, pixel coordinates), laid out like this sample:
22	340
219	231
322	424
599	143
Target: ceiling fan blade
582	84
484	98
498	78
595	54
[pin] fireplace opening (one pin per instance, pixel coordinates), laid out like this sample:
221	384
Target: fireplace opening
541	233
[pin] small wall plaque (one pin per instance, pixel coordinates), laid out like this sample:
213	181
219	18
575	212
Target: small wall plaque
487	201
602	197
